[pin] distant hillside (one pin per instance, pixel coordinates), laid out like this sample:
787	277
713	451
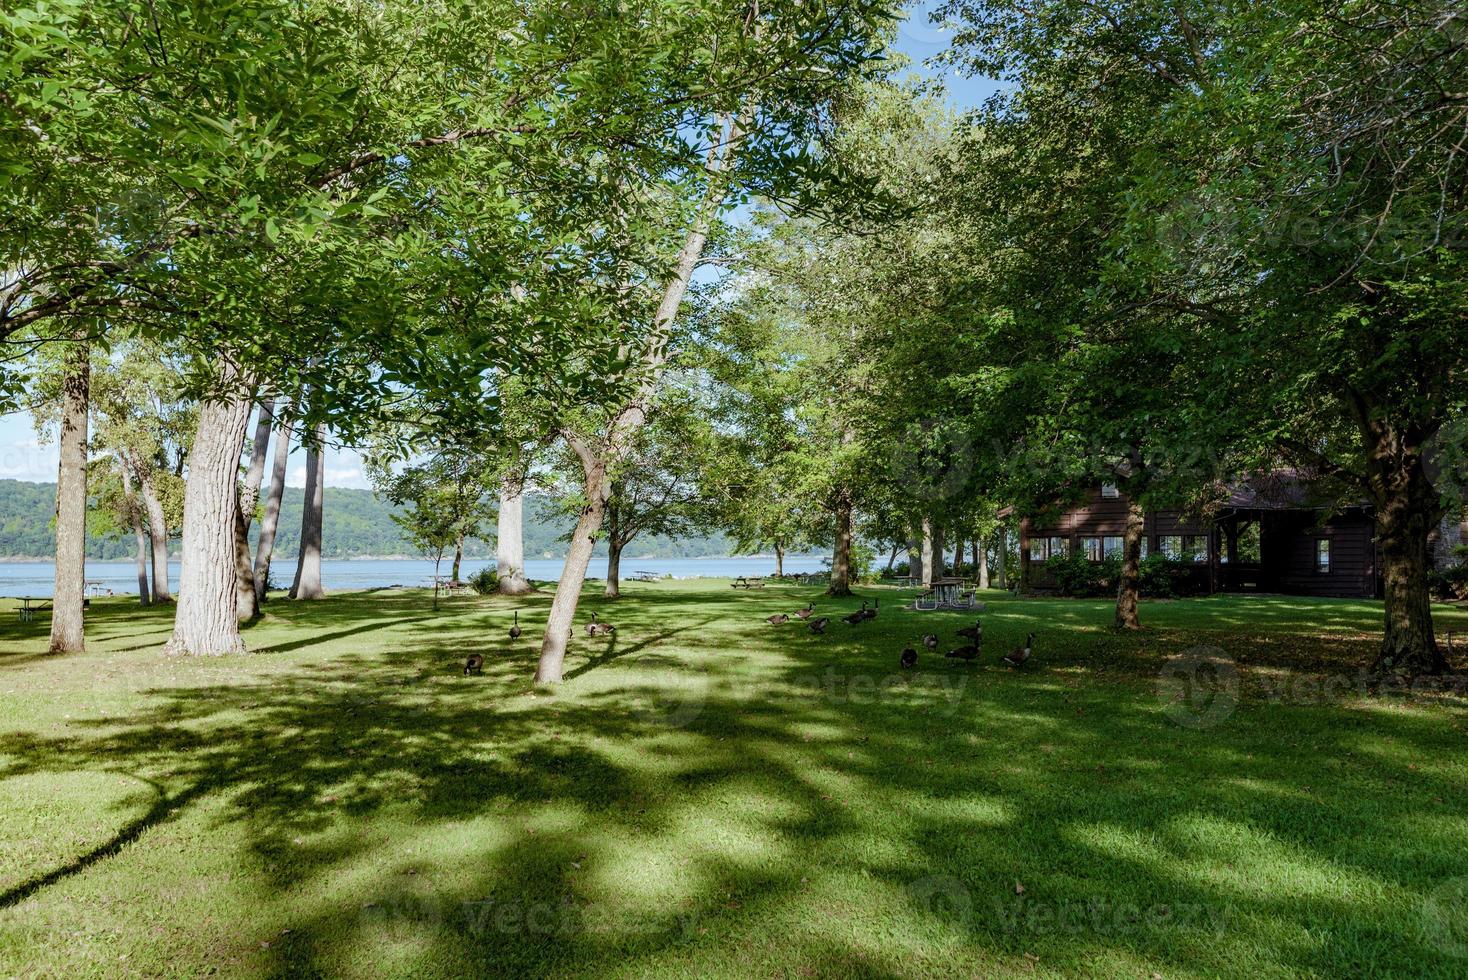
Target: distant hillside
357	524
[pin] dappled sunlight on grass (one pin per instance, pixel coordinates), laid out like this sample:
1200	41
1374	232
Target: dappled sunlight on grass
711	795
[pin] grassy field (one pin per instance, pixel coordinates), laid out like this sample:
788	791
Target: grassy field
707	795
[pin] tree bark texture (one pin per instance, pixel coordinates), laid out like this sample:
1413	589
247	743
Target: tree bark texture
573	574
206	622
307	584
509	547
841	558
71	504
140	534
270	520
1129	584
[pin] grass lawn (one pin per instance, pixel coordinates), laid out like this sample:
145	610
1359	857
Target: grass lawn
707	795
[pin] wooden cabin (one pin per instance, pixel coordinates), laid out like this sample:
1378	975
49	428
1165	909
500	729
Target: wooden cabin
1265	537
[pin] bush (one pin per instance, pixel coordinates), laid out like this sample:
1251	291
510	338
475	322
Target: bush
863	562
485	581
1449	583
899	570
1077	575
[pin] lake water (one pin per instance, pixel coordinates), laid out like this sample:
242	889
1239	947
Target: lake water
37	578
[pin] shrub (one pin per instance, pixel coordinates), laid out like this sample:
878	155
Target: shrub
485	581
1077	575
1449	583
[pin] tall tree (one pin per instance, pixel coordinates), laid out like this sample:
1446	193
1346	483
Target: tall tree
270	519
71	503
307	584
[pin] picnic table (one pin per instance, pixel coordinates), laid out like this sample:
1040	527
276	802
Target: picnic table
749	582
947	593
30	605
447	583
643	575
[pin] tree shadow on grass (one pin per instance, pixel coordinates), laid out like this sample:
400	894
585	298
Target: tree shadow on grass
794	809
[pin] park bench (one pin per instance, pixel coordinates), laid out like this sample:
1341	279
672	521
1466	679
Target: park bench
749	582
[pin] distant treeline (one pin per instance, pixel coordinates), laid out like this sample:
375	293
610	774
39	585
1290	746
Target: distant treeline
357	524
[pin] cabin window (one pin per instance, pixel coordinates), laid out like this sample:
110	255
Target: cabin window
1109	491
1322	555
1092	548
1170	545
1145	548
1057	547
1112	546
1197	546
1039	549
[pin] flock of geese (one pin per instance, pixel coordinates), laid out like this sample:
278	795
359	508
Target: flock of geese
908	658
474	665
817	624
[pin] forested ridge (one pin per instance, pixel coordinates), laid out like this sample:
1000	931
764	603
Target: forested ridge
357	524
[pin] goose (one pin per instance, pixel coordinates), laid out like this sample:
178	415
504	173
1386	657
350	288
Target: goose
474	665
804	613
594	628
974	632
779	619
872	612
818	626
515	630
858	617
1019	655
963	653
908	658
930	640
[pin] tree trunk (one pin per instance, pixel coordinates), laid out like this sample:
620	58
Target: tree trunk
614	568
308	563
458	559
925	553
265	547
841	560
135	517
1408	507
206	622
71	505
247	599
1128	586
246	604
958	556
157	534
509	548
624	425
779	560
573	574
981	561
1002	553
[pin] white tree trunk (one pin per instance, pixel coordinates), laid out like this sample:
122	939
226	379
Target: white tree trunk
71	505
308	562
139	533
157	534
925	554
206	622
509	548
265	547
247	602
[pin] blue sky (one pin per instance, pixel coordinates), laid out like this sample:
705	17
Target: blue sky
24	457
